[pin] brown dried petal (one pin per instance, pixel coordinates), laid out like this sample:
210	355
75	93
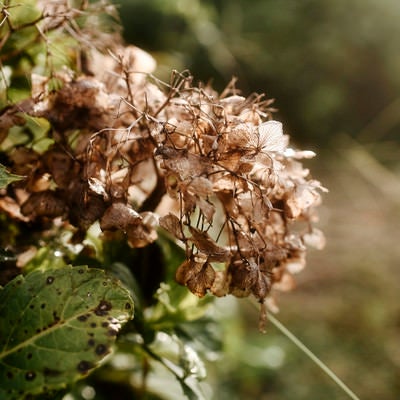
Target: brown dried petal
273	256
119	216
202	281
286	283
61	166
256	209
244	276
231	160
205	244
38	182
301	198
299	154
233	104
245	166
200	186
185	165
187	270
207	208
10	206
220	286
11	116
315	238
44	204
85	207
140	235
262	286
229	202
239	136
24	160
97	186
271	138
171	223
137	60
297	263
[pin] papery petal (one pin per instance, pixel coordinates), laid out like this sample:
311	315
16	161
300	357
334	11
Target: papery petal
208	246
315	238
271	136
172	224
202	281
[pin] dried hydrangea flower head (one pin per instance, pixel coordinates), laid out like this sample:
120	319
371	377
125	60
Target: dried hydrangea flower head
240	190
214	170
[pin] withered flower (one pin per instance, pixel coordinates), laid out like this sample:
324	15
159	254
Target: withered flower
125	145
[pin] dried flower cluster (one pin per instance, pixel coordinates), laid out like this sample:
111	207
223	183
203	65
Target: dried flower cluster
136	154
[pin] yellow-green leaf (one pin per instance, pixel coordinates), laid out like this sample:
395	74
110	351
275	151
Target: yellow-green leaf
6	178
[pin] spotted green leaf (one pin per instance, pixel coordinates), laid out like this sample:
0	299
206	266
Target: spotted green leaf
56	327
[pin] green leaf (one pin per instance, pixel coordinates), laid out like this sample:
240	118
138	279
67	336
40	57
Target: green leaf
56	326
46	258
6	178
182	360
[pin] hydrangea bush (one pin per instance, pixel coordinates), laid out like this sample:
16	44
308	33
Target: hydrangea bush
106	155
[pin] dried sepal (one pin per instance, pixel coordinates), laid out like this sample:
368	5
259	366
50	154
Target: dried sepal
12	208
172	224
143	231
85	206
44	204
315	238
270	137
206	245
244	276
220	286
119	216
197	276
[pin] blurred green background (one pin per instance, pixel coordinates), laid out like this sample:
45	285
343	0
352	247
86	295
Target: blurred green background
334	69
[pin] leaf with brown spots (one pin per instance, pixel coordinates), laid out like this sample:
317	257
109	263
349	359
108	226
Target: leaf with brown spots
56	327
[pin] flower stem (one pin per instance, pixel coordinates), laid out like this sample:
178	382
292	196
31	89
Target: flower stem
312	356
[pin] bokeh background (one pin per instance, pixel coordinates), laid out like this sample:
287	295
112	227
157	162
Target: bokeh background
334	69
